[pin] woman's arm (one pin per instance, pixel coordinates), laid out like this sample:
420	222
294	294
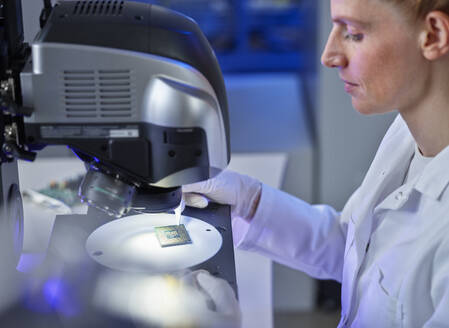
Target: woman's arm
310	238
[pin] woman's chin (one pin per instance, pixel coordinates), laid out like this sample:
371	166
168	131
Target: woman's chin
365	108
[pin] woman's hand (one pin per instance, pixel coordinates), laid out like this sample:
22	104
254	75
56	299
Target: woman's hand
223	307
240	191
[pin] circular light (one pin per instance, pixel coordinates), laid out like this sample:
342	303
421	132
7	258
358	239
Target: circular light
130	244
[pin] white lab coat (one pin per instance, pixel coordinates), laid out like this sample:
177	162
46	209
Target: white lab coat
410	284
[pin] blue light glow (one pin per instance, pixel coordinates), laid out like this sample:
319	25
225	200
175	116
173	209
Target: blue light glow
54	295
74	152
60	297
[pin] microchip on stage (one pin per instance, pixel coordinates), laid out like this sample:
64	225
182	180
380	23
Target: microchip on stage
172	235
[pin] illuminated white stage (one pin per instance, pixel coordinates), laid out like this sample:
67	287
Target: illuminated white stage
130	244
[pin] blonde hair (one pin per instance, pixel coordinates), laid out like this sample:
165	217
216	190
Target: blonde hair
420	8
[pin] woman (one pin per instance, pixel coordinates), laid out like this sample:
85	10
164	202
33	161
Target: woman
389	247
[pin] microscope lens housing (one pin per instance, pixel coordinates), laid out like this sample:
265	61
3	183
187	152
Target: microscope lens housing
106	193
115	197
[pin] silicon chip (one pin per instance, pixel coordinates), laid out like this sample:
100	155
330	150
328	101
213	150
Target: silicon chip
172	235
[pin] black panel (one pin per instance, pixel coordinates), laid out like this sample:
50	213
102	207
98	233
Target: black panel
171	155
11	21
156	154
121	151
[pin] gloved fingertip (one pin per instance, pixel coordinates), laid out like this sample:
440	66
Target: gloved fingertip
204	279
209	282
196	200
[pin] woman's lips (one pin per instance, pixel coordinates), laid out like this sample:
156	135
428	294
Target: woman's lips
349	86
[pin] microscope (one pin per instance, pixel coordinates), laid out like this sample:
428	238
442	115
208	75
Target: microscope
136	92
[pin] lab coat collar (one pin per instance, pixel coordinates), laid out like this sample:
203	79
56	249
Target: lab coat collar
387	177
383	181
435	178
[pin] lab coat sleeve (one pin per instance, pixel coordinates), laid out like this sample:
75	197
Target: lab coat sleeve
440	288
310	238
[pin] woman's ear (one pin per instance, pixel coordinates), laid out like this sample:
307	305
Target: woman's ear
434	39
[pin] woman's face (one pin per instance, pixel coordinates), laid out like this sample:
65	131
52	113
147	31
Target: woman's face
375	47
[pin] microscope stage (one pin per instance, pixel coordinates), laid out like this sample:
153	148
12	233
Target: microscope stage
131	244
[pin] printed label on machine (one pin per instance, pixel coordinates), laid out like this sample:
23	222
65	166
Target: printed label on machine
98	131
124	133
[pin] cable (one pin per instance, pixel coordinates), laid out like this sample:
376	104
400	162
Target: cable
47	4
45	13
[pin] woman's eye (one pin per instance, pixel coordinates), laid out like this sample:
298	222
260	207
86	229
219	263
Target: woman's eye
354	37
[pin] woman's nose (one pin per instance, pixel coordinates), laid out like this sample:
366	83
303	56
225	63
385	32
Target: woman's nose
333	57
334	60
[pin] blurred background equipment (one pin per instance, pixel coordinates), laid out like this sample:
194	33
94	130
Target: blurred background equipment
255	35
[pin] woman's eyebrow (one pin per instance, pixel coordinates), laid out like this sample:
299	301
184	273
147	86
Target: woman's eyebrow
342	20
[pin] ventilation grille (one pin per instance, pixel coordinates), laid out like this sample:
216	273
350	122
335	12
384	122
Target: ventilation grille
99	7
97	94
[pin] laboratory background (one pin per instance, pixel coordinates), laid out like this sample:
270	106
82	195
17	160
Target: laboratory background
291	125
